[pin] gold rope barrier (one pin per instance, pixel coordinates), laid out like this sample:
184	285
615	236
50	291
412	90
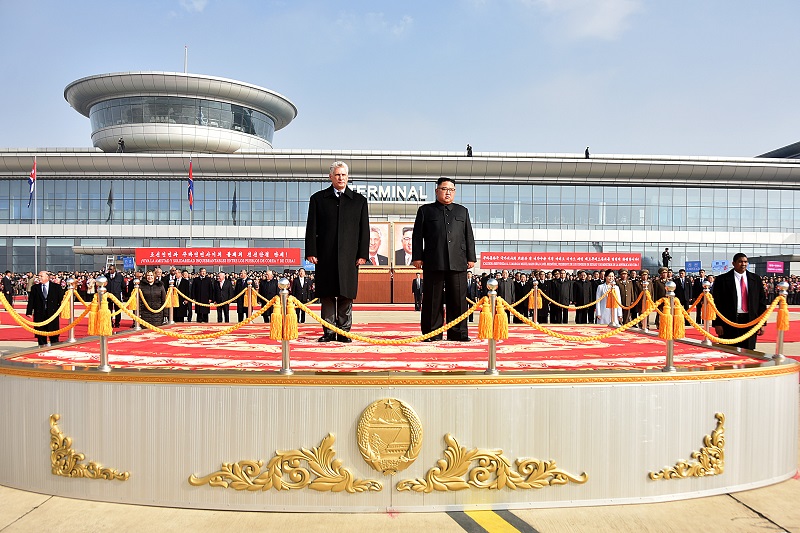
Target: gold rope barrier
726	320
23	323
758	324
570	307
206	305
20	319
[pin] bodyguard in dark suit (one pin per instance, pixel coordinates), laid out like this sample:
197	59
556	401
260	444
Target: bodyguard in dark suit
185	306
337	241
223	291
683	289
44	299
739	296
417	286
301	289
8	287
115	286
444	248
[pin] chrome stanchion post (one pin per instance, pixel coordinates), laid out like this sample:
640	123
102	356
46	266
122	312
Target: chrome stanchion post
249	297
492	284
536	301
669	367
646	320
707	322
286	365
138	311
171	309
784	288
102	281
71	285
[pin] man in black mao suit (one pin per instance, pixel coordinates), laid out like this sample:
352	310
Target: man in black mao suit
44	300
301	289
417	287
337	242
728	290
444	248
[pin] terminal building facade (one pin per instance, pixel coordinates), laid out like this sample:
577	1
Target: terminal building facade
95	202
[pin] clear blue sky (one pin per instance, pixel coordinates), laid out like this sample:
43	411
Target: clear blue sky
677	77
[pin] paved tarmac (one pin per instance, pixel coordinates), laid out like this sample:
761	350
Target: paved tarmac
773	508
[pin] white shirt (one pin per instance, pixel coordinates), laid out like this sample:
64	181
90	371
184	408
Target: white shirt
738	282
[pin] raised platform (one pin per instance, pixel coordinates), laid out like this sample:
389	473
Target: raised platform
327	441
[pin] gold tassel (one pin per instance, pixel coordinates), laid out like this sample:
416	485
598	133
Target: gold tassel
678	324
485	321
783	316
276	321
133	301
500	322
708	312
290	327
104	318
93	317
531	301
65	314
611	299
665	324
173	300
246	300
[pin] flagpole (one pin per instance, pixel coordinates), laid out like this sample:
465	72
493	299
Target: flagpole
35	222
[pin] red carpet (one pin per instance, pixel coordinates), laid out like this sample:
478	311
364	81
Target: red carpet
249	348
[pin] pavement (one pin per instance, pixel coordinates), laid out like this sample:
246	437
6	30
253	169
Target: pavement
768	509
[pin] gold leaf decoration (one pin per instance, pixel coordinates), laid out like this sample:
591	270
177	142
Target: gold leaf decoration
67	462
492	471
284	472
389	435
709	460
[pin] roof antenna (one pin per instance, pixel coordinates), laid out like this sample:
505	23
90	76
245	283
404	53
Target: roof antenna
185	59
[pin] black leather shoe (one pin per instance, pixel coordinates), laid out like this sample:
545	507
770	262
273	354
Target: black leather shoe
326	338
465	339
342	338
433	339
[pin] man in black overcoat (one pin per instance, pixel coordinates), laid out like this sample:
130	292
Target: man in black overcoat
582	294
444	248
238	287
337	242
301	289
417	287
739	296
203	292
184	313
268	289
560	291
223	291
44	299
115	286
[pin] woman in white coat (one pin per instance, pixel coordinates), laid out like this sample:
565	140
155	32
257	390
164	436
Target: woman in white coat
604	314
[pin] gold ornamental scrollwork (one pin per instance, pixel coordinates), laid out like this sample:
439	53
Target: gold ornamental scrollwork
284	472
709	460
389	435
492	471
66	462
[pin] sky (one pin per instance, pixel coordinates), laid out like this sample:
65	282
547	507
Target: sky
678	77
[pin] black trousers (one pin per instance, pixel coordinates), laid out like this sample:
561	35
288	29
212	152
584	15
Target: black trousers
337	311
446	287
223	313
731	332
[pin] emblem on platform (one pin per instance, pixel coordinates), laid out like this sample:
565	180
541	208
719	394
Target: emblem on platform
389	435
709	460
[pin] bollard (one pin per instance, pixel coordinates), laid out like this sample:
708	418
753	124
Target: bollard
669	367
101	282
171	309
249	297
646	321
707	325
286	365
784	288
535	301
71	285
138	311
492	284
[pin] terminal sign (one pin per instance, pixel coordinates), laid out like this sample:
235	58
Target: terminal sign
774	267
392	193
218	256
548	260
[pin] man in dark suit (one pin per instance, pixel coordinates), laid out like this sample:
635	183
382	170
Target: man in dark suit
301	289
697	290
238	287
560	291
8	287
268	289
506	289
404	255
337	241
444	248
44	299
683	289
115	286
416	290
203	292
223	291
739	296
375	239
473	290
185	306
582	294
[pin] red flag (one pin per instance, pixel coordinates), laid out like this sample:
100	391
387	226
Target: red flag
191	187
32	182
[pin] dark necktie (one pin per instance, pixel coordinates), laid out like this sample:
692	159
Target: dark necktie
44	291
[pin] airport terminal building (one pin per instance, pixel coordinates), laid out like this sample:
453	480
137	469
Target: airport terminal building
95	202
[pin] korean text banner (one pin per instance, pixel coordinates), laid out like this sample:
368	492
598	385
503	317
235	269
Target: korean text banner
218	256
548	260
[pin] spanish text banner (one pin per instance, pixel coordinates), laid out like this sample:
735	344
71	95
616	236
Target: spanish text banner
218	256
548	260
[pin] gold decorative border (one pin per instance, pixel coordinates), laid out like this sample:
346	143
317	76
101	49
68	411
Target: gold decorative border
323	473
180	377
66	462
710	460
492	472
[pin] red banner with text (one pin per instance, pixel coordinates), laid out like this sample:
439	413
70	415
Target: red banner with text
218	256
550	260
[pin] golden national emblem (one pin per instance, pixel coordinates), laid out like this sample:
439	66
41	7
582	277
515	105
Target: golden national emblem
389	435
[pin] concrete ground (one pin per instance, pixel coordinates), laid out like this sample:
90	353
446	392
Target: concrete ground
772	508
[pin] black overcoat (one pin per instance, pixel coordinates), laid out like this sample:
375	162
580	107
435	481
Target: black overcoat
441	245
337	234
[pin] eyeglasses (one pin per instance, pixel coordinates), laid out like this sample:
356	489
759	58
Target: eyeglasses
447	190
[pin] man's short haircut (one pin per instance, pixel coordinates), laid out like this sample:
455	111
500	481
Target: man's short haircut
681	270
339	164
376	229
443	179
406	229
739	256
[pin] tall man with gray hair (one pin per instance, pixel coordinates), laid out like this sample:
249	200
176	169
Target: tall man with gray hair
337	242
